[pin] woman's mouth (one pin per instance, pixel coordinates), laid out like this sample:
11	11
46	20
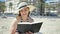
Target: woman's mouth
24	14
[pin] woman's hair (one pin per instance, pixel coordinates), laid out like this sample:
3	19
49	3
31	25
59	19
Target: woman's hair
20	14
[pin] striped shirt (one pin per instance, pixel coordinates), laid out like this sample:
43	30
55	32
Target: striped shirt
28	20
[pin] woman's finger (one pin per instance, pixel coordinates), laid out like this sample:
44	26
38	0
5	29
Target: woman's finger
31	32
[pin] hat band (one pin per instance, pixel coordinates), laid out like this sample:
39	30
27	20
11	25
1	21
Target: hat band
22	6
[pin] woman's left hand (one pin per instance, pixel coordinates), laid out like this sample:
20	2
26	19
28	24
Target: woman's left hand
29	32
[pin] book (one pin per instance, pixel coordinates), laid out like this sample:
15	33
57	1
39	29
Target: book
33	27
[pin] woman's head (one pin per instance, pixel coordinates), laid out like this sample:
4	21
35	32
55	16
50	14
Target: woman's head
25	9
24	12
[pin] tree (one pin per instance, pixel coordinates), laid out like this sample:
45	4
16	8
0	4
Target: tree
10	6
58	8
2	6
42	7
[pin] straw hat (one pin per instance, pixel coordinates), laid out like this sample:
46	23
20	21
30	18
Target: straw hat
24	4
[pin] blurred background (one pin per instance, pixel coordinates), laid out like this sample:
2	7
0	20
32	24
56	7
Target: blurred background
44	7
47	11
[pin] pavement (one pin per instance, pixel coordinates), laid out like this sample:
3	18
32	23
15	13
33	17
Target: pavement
51	25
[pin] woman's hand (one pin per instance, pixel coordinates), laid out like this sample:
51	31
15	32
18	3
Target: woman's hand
29	32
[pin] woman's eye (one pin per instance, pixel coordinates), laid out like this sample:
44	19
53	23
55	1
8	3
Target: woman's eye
25	9
21	10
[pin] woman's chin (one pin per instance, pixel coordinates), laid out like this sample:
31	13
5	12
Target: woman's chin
24	15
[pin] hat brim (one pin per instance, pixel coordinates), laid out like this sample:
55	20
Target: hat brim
31	7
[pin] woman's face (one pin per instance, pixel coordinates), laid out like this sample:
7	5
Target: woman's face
24	11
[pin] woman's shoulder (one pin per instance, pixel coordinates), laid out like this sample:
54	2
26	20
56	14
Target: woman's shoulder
18	17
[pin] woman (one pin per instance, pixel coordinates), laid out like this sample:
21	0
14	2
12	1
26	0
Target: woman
23	16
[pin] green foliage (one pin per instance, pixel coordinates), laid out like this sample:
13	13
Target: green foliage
2	6
10	5
49	6
58	4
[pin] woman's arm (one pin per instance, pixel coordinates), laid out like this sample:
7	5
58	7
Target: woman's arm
13	26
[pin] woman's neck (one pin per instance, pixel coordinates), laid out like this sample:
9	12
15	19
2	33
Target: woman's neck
24	18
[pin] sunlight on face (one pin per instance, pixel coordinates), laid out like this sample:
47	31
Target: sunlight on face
24	11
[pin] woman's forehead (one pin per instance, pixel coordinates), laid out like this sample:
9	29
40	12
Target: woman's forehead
24	8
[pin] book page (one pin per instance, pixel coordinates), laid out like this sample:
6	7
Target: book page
28	22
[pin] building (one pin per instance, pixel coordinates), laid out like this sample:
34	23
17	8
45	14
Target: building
12	5
53	7
59	8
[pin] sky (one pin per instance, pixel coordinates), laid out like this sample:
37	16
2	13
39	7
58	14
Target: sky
46	0
2	0
51	1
